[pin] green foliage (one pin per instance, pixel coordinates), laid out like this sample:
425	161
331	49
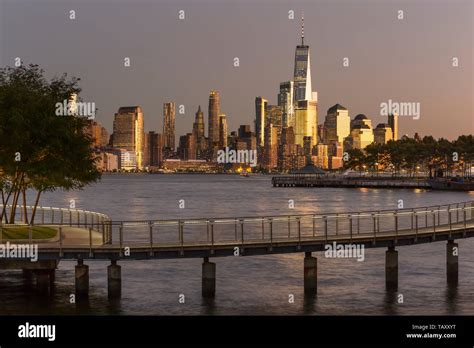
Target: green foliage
54	151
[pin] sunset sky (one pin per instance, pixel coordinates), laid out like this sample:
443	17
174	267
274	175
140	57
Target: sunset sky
407	60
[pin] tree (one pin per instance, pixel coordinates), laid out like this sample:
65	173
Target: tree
38	149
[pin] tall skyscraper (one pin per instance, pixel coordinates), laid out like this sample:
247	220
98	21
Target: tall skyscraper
153	149
337	124
214	112
302	72
260	111
187	147
286	102
393	122
274	115
306	122
169	118
222	131
198	132
270	158
129	132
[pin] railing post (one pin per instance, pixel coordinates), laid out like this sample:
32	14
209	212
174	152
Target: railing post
42	215
121	239
78	218
289	228
326	227
70	217
350	225
263	229
61	242
314	229
90	241
235	228
299	231
439	214
464	218
449	222
52	215
242	232
396	227
411	217
212	233
457	212
150	223
416	226
62	216
434	225
337	223
358	223
271	232
207	230
375	227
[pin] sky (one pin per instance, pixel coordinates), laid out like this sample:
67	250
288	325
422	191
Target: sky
181	60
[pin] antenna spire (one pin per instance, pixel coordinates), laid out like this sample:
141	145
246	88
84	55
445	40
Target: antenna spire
302	29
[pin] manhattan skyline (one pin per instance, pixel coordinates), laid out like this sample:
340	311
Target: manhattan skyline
186	59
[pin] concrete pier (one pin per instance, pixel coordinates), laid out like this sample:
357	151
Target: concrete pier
208	278
82	279
452	255
391	268
114	280
43	282
310	274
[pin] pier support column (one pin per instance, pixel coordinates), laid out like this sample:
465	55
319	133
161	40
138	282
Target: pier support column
114	280
208	278
391	268
310	274
82	279
43	284
452	253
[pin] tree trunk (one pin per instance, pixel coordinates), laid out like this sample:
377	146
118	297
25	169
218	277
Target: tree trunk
16	195
35	206
25	211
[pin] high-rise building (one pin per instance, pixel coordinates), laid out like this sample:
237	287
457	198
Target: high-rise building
187	147
260	112
153	149
271	147
362	135
337	124
286	102
361	120
129	134
199	134
214	112
306	122
393	122
302	71
222	131
98	134
169	119
383	133
274	115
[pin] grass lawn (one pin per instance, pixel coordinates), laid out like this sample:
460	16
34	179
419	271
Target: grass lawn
22	232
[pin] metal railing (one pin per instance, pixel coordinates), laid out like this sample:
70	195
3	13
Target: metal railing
242	231
58	218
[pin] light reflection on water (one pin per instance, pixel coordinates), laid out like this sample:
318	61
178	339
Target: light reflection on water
250	285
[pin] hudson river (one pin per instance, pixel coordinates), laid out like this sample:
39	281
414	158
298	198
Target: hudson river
250	285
